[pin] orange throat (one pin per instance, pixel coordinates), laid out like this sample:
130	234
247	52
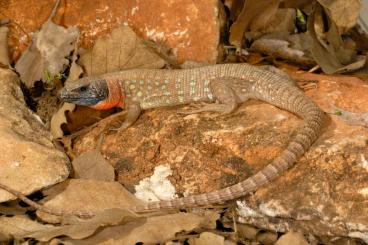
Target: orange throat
114	99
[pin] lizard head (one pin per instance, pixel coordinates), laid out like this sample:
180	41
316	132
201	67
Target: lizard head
96	92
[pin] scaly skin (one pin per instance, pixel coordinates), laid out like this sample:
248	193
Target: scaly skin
230	84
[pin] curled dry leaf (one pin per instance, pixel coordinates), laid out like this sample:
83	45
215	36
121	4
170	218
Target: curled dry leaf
344	13
121	49
59	118
86	196
157	229
254	16
328	48
45	57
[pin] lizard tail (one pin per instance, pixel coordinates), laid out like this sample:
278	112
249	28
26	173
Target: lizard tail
297	103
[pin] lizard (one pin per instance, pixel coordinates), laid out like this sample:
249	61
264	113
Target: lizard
220	88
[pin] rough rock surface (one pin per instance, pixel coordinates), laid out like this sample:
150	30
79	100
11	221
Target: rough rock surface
177	24
28	159
324	194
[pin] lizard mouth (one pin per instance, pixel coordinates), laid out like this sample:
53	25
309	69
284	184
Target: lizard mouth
78	98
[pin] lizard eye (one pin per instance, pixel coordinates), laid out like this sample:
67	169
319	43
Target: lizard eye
83	88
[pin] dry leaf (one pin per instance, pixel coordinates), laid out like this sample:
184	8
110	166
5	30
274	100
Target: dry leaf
45	57
89	196
59	118
155	230
207	238
297	4
4	53
328	49
122	49
255	15
92	165
21	226
344	13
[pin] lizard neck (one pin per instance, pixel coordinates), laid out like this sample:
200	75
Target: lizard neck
116	97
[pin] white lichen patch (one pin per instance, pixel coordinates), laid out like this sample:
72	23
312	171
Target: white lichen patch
364	192
155	35
273	209
157	187
364	162
334	146
245	211
360	235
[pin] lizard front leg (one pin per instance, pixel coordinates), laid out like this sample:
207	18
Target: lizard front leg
133	110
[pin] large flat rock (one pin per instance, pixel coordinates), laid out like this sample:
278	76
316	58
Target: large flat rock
324	194
28	159
190	29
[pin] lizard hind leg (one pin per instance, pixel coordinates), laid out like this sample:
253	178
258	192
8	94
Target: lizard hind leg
224	94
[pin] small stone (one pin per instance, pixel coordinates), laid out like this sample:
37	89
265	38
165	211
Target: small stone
267	237
247	231
207	238
229	242
292	237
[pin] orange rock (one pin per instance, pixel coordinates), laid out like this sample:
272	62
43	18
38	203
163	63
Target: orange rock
189	28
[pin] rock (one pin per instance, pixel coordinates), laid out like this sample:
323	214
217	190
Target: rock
292	237
324	194
207	238
267	237
28	159
246	231
177	24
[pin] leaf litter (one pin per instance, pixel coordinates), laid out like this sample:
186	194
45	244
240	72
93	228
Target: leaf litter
46	56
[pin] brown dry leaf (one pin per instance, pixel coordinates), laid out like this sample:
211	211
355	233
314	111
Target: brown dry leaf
92	165
207	238
12	208
157	229
86	196
328	49
297	4
344	13
121	49
283	21
4	53
45	57
17	226
21	226
59	118
255	15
